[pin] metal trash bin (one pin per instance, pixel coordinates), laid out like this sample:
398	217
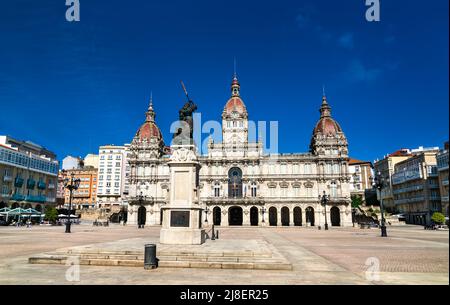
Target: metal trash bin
150	261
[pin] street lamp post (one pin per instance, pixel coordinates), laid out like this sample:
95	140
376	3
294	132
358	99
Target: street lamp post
72	185
141	199
324	199
206	214
379	184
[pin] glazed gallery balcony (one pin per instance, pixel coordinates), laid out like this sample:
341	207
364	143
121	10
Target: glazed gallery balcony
29	198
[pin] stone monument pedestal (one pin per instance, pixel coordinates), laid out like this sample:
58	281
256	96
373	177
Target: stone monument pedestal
182	223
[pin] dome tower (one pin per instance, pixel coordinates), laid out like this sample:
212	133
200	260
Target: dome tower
148	136
235	117
328	137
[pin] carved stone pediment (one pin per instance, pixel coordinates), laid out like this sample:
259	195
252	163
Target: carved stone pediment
271	184
296	184
183	154
284	184
308	184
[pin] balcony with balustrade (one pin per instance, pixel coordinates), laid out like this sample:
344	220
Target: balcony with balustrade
413	188
7	178
409	200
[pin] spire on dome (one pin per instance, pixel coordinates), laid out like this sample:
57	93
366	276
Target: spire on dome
325	109
150	114
235	87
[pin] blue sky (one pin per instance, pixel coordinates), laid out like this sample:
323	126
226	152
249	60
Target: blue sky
74	86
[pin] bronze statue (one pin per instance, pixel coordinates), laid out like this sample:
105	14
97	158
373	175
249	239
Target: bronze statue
184	134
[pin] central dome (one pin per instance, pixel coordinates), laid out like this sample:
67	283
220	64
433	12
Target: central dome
235	107
148	131
235	104
326	125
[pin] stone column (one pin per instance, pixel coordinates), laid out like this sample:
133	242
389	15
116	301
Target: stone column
346	219
132	216
224	221
148	216
279	217
245	217
291	217
319	220
303	217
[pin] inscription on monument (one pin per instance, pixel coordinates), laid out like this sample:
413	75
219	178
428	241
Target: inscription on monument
179	219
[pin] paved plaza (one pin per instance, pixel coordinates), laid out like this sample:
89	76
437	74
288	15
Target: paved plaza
410	255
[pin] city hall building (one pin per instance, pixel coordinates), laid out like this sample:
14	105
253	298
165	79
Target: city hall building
239	184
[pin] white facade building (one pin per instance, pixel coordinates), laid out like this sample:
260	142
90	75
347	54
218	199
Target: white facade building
91	160
239	184
111	177
361	177
70	162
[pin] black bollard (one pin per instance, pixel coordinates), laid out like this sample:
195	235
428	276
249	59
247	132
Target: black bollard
217	234
150	261
213	237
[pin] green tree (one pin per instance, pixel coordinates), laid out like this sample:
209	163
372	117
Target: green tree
51	214
438	218
356	201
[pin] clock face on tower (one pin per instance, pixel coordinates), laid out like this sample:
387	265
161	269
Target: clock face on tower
234	114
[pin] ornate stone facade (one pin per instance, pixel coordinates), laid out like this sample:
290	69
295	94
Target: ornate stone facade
239	184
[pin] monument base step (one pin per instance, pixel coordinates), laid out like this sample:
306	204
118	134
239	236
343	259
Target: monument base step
248	254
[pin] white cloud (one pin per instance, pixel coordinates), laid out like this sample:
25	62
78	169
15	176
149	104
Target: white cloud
358	72
346	41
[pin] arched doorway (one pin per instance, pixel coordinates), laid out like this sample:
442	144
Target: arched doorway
28	206
335	217
254	216
217	216
2	205
235	216
310	215
297	216
235	183
38	208
272	216
142	216
285	216
15	205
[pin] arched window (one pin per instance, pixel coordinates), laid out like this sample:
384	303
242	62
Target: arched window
336	169
235	183
308	169
333	189
253	188
217	189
